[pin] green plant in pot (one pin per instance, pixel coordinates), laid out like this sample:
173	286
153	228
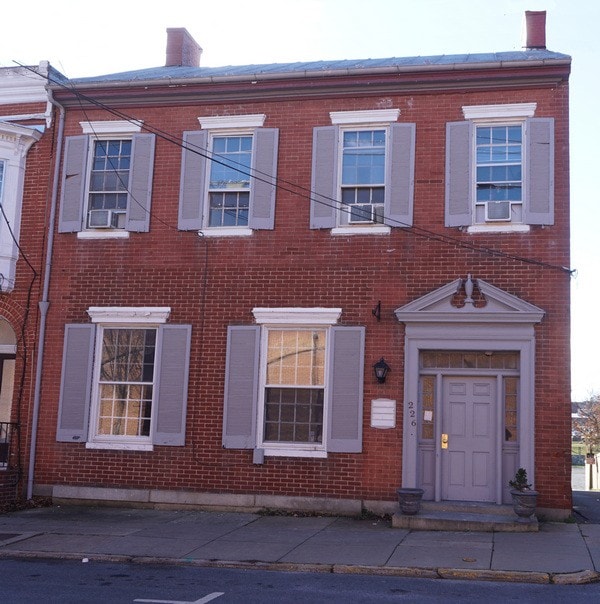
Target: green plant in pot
524	498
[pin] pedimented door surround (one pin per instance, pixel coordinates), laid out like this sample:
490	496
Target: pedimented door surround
469	315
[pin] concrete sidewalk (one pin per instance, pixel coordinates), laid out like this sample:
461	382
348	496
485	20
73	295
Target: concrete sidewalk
558	553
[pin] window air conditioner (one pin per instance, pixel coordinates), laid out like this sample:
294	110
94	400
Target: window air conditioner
497	210
106	219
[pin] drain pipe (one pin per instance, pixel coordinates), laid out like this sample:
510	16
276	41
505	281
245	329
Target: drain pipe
44	304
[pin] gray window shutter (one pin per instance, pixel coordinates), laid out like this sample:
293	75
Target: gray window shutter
264	186
323	204
459	174
400	176
70	218
346	390
539	199
173	354
193	177
76	383
140	183
241	387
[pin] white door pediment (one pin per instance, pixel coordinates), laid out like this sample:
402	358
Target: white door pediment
452	304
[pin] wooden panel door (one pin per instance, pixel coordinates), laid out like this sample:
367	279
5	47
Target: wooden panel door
469	422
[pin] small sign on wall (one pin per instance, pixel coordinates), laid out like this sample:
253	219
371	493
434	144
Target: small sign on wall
383	413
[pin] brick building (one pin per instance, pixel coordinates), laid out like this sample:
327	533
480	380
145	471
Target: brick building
235	248
26	139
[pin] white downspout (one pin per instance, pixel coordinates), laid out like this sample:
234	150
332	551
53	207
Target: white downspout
44	303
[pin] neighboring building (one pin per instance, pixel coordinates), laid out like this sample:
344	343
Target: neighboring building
25	147
237	247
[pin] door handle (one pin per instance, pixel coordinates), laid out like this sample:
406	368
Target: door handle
444	441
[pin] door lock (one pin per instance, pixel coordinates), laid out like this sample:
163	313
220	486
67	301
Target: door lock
444	441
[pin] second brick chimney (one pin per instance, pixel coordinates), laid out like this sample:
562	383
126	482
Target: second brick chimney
182	49
535	29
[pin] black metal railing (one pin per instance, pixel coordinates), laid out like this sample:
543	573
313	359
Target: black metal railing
7	431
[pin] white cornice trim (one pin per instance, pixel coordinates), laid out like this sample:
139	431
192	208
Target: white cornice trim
255	120
297	316
129	314
112	127
499	112
371	116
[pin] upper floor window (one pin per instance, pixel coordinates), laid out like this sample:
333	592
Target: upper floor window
107	180
363	173
109	183
1	178
229	182
500	169
228	176
499	177
363	176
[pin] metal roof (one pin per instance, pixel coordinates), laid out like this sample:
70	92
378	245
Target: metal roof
315	68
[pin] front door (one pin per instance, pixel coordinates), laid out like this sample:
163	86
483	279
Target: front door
469	439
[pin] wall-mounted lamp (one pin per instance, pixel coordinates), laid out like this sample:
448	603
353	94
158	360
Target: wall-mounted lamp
381	369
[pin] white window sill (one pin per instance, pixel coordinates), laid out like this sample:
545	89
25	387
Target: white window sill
115	446
225	232
103	234
283	452
362	230
499	228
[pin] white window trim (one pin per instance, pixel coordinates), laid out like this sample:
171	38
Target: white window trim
369	116
103	234
225	232
286	449
302	318
297	316
508	111
220	231
129	314
221	122
376	229
111	128
507	114
121	130
134	318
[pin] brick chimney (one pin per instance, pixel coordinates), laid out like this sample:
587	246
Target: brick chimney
182	49
535	30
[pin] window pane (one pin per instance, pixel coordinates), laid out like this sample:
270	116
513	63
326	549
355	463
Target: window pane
293	415
126	376
109	182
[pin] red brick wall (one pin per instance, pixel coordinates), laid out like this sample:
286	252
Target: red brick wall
214	282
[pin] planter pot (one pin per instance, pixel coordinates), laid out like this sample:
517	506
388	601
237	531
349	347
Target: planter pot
524	503
409	500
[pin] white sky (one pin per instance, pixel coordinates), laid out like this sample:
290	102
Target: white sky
82	38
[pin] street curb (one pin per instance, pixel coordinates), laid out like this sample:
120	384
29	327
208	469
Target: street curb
457	574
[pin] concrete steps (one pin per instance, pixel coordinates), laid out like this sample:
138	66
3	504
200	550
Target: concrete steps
464	516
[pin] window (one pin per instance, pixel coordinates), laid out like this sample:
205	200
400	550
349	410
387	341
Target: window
124	381
107	180
15	142
499	169
363	176
109	183
229	182
363	173
228	176
294	384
